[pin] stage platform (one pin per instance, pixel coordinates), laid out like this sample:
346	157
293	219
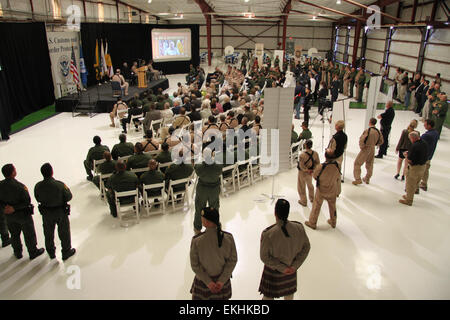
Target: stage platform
100	98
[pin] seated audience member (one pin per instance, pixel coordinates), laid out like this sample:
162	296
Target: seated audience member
119	78
164	156
182	120
168	136
153	114
248	113
121	181
152	176
244	124
123	148
232	121
178	170
211	124
223	126
150	144
119	106
294	135
257	125
107	167
135	109
95	153
176	108
167	113
306	133
206	112
176	97
226	105
194	115
139	159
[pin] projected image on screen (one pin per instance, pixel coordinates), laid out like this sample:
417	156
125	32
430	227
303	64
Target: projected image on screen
171	45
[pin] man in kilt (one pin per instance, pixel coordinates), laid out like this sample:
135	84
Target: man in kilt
213	258
284	248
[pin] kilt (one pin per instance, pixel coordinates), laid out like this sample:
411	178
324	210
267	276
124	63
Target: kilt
275	284
201	292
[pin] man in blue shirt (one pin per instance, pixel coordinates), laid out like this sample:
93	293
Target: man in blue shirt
431	137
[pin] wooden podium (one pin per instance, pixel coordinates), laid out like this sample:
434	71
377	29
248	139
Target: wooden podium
142	79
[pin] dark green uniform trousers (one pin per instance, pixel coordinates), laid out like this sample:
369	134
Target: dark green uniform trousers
3	228
205	194
112	202
89	167
352	84
49	222
19	222
360	93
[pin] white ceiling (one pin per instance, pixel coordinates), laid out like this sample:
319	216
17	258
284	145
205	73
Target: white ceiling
263	9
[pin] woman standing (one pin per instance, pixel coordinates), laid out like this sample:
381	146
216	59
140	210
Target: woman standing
403	145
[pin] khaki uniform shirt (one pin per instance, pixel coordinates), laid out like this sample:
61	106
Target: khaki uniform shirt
279	252
328	179
305	161
374	138
208	260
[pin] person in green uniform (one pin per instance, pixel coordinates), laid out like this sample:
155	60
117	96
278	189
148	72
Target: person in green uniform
121	181
440	109
53	196
294	135
107	167
208	186
139	159
352	81
306	133
276	63
178	170
123	148
152	176
244	59
341	79
361	84
94	153
151	96
164	156
15	205
135	102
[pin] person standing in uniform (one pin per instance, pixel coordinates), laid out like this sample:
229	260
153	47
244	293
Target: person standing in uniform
121	181
327	176
337	146
417	156
403	145
284	248
208	186
360	83
346	80
15	204
53	196
95	153
352	81
335	88
431	137
213	258
308	160
439	112
370	139
386	121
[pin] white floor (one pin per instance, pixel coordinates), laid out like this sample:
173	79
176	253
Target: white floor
379	250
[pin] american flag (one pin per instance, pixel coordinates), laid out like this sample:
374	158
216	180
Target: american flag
74	68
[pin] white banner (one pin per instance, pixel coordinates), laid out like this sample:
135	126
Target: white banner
60	49
372	99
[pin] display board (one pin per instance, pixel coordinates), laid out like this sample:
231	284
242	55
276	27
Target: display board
372	98
276	135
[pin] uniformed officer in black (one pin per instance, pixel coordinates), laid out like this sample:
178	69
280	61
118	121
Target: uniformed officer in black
52	196
15	204
386	121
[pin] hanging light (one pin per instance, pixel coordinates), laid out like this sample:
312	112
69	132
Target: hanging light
338	1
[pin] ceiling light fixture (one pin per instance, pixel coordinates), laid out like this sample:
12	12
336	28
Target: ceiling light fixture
149	1
338	1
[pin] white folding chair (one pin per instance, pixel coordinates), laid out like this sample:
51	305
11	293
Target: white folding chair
228	177
172	195
133	206
152	153
131	123
155	126
103	178
96	164
149	201
164	165
124	158
139	170
121	113
243	173
293	154
255	169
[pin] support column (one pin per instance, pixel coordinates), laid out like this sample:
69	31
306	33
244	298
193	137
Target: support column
414	10
347	40
32	9
208	36
356	42
222	39
363	50
426	33
117	11
84	11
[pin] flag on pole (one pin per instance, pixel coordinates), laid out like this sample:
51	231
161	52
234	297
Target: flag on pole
83	69
108	60
74	69
98	75
103	67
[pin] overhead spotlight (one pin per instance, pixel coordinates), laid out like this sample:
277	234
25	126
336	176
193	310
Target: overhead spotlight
314	18
338	1
392	27
429	27
246	1
149	1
